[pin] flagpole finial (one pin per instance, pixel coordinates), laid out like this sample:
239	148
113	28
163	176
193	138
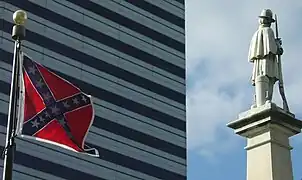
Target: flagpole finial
19	18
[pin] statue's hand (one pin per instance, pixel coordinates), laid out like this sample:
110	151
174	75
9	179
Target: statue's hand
279	41
280	51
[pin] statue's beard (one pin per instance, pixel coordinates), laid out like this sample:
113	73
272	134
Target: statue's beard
265	21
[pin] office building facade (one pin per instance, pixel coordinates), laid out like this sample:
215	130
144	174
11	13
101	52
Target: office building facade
129	55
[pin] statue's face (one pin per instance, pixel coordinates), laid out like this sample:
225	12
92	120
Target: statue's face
265	21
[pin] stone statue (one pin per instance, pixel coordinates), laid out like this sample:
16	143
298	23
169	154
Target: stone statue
265	52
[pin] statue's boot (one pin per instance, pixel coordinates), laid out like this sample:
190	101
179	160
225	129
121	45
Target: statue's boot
263	92
255	103
270	90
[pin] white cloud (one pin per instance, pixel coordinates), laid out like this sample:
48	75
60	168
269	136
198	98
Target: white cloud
218	35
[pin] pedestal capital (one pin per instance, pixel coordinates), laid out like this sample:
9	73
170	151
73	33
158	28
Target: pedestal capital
257	120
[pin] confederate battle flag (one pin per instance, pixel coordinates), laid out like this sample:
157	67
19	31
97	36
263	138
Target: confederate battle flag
52	109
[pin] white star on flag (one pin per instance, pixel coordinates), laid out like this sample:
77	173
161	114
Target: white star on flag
35	123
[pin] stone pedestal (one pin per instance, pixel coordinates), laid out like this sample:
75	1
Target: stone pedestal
267	129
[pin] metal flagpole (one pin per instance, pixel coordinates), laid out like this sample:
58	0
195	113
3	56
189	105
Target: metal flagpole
18	34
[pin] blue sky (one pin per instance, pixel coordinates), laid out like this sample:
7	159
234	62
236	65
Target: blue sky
218	34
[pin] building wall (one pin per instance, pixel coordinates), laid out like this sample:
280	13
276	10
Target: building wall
130	56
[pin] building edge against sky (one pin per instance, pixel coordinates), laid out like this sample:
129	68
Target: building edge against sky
130	56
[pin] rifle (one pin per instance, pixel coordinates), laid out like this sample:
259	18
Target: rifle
281	87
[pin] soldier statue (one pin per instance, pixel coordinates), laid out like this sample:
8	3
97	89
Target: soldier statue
265	53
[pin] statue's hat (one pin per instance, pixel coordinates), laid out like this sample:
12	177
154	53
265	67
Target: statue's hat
267	13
